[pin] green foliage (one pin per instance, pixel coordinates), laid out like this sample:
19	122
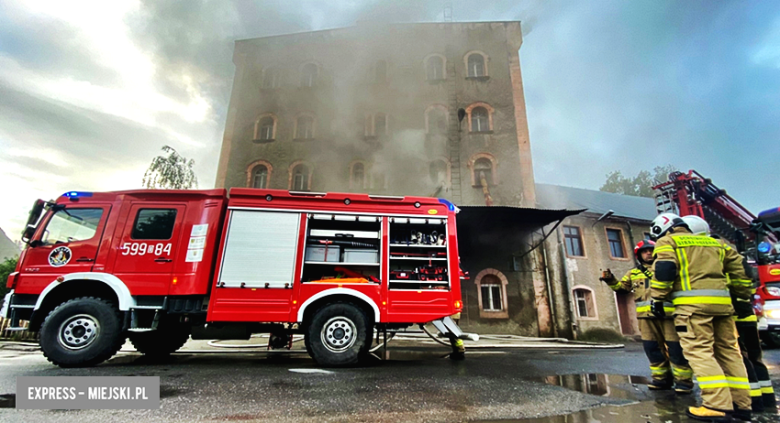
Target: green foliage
6	268
602	335
170	172
640	185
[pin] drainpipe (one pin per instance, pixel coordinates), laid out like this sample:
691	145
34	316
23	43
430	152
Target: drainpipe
631	236
550	296
562	252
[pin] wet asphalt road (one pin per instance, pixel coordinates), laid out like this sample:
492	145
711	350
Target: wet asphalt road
417	384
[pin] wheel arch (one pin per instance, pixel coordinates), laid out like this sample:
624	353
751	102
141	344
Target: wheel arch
86	284
314	303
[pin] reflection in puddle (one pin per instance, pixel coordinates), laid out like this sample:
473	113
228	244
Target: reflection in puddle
650	406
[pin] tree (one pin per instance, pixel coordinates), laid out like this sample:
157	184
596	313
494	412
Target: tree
170	172
640	185
6	268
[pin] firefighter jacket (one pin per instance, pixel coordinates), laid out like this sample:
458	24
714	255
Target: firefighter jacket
698	273
637	281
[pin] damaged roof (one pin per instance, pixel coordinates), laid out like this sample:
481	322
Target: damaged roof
598	202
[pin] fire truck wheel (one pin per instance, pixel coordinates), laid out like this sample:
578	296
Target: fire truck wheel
81	332
161	342
338	335
771	339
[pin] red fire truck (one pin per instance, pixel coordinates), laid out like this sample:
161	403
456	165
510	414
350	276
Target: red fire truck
160	266
755	237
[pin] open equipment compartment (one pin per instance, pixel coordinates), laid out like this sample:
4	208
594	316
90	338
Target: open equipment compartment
418	254
342	248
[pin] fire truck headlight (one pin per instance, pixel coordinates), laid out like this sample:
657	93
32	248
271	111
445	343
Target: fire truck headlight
773	314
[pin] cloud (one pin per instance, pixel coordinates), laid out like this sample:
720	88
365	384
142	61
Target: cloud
90	91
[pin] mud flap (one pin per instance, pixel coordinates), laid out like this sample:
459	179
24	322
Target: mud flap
448	327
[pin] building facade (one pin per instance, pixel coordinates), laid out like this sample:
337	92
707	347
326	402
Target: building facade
433	109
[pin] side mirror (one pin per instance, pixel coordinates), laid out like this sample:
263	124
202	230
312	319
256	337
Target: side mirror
28	233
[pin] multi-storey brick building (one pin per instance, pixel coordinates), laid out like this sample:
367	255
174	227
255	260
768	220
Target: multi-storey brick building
375	108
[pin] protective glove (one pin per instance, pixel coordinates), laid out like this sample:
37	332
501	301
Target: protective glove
742	308
607	276
657	308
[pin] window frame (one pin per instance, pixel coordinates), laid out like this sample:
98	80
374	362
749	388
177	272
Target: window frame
44	239
442	60
580	237
353	182
447	170
312	81
275	78
312	127
485	60
259	126
255	170
590	302
474	121
501	282
622	240
291	175
250	173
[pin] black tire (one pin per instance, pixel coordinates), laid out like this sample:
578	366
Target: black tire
338	335
90	329
771	339
167	339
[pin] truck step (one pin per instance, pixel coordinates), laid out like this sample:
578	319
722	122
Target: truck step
140	329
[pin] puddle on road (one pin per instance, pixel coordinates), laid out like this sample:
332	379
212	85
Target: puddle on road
649	406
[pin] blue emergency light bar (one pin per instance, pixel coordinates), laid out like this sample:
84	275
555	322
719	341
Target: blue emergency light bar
77	194
449	205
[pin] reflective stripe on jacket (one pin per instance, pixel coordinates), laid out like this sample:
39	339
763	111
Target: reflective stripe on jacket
706	273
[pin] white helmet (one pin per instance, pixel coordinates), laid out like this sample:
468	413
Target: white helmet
663	222
697	225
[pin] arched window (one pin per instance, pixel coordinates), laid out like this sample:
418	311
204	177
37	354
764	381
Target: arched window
300	178
260	177
584	302
265	128
437	120
380	124
483	167
480	119
271	78
434	68
491	293
380	75
438	172
358	176
309	75
304	128
476	65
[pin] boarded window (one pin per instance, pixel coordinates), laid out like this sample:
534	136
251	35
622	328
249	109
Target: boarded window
573	240
615	238
154	224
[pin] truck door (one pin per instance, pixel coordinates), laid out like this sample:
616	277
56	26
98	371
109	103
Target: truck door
68	243
148	247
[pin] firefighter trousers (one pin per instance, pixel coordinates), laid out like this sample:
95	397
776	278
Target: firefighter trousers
662	346
710	345
761	391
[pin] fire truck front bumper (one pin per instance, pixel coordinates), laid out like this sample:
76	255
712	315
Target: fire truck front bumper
771	319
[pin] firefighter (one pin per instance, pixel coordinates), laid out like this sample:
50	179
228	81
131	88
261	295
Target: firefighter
697	272
762	395
659	338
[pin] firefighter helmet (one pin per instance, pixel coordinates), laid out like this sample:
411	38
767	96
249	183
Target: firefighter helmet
663	222
697	225
644	244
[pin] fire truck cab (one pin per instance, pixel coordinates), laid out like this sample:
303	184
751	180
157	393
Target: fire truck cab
160	266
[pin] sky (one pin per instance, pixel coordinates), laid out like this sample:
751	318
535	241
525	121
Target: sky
90	91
